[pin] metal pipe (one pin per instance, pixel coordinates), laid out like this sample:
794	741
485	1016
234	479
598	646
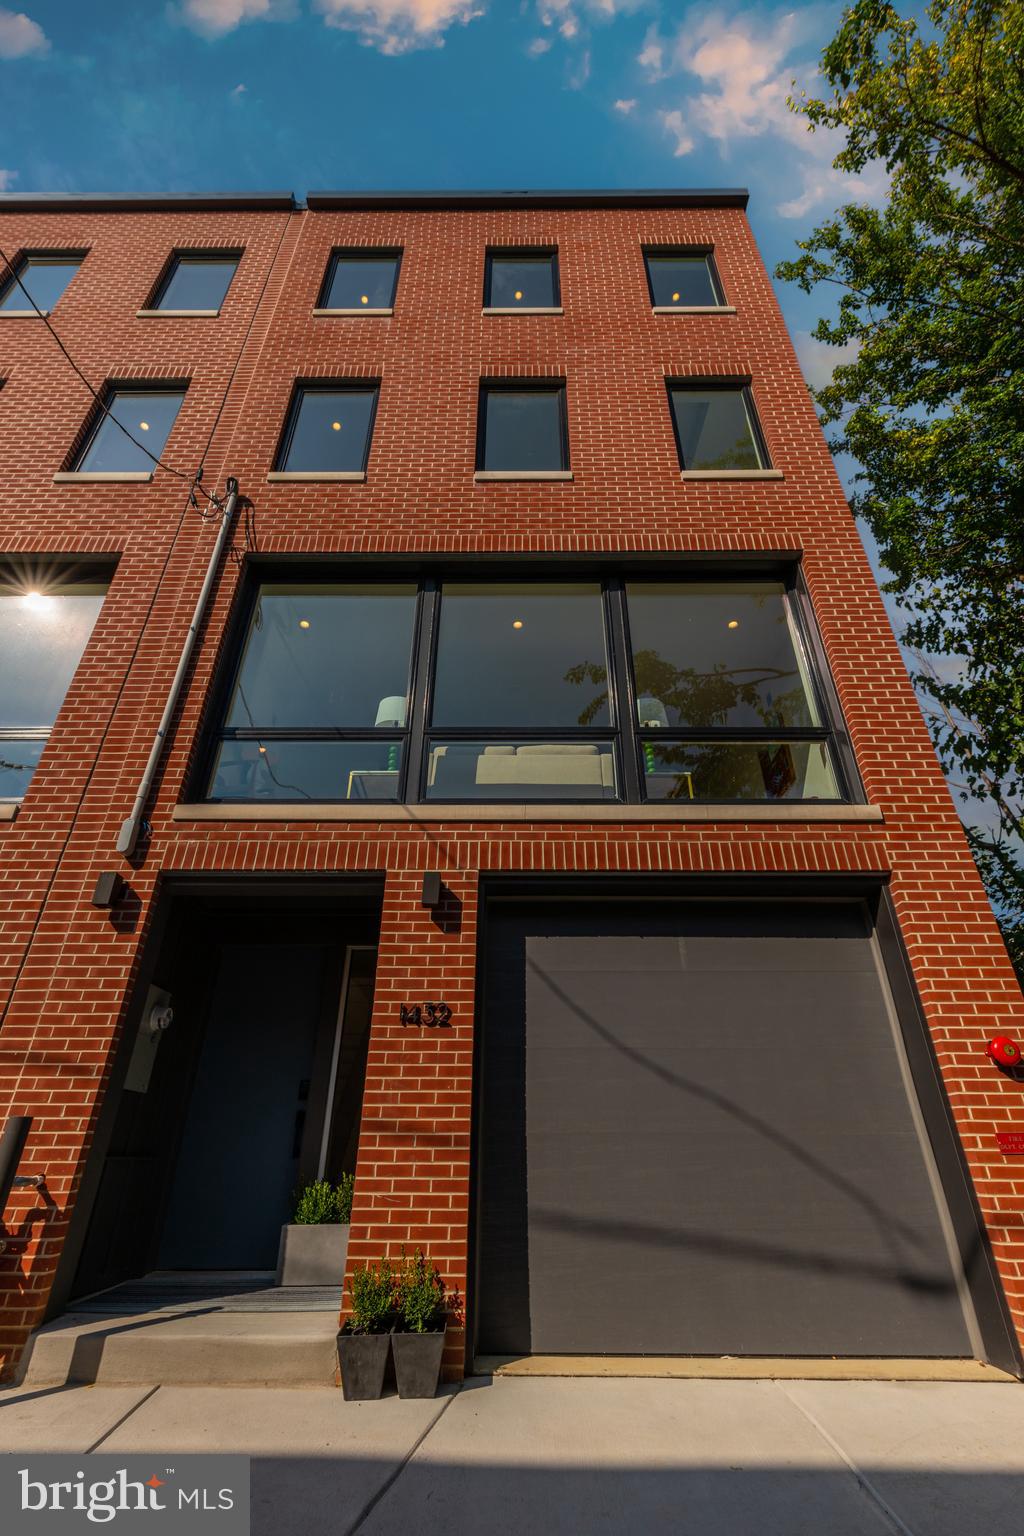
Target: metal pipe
12	1145
129	833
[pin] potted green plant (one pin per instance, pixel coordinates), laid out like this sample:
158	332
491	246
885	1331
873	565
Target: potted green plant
364	1339
314	1244
418	1341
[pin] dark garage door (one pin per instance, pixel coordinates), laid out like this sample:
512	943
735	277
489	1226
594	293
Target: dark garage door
696	1139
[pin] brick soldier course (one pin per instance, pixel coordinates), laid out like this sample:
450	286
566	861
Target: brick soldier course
67	969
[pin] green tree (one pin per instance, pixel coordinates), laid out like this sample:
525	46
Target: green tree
931	302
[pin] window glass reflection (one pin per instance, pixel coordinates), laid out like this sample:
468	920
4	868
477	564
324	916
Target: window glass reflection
362	282
197	282
681	281
43	280
42	636
529	655
307	770
326	656
714	429
522	282
717	654
523	429
329	431
739	770
477	770
147	415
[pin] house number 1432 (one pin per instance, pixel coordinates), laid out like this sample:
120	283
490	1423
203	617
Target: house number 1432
433	1015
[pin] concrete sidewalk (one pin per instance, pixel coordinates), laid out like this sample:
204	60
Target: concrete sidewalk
553	1456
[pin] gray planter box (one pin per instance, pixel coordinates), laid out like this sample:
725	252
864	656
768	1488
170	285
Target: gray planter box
313	1255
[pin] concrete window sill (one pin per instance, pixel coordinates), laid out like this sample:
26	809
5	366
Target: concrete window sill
176	314
693	309
518	309
320	313
98	477
483	476
730	474
23	314
597	811
311	476
9	809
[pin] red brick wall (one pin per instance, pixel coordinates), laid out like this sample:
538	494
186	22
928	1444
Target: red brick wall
66	969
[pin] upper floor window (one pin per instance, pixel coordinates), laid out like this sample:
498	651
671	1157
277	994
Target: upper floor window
522	427
38	281
521	279
361	281
716	427
196	282
682	279
46	618
146	412
527	690
328	429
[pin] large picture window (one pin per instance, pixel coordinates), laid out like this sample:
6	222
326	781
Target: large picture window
492	690
45	622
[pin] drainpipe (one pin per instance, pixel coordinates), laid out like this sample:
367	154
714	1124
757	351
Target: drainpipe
129	833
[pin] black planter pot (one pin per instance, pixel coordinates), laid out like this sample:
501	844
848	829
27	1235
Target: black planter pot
417	1362
362	1357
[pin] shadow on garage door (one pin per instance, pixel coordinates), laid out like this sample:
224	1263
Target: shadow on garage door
697	1137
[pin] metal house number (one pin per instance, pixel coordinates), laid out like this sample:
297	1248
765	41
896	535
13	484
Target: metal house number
433	1015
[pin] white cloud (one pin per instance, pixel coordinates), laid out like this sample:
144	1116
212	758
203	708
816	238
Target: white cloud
570	26
624	105
238	91
673	123
817	359
538	46
652	55
7	178
20	35
398	26
215	17
580	73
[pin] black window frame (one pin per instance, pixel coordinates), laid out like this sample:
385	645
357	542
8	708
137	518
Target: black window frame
95	418
359	253
741	386
300	389
624	732
187	253
525	253
61	258
685	253
507	386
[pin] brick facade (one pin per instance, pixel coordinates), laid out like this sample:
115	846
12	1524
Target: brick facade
67	969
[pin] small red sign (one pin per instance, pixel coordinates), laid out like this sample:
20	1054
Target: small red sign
1011	1143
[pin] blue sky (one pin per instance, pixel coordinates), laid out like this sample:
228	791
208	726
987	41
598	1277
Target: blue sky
137	95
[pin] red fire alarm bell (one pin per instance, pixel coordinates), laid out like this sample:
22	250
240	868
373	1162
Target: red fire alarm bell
1004	1051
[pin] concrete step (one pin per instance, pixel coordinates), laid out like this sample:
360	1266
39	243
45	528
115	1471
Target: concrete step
294	1349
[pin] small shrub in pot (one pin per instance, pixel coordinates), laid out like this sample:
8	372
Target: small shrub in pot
418	1343
364	1340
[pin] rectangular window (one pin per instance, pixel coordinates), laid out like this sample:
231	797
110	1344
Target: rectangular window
39	279
196	282
682	279
361	281
526	690
329	429
521	279
522	427
147	412
726	709
45	623
319	706
716	428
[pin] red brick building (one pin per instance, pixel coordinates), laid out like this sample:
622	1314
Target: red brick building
541	581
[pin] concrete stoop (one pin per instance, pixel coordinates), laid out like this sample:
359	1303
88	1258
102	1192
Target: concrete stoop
290	1349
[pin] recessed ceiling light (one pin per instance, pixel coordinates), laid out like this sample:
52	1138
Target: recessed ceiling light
335	426
517	623
734	624
303	623
144	425
519	293
364	299
675	298
264	751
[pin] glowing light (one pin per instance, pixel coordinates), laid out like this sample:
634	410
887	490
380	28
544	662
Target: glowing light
519	293
517	623
37	602
263	751
364	299
733	624
675	298
144	425
303	623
